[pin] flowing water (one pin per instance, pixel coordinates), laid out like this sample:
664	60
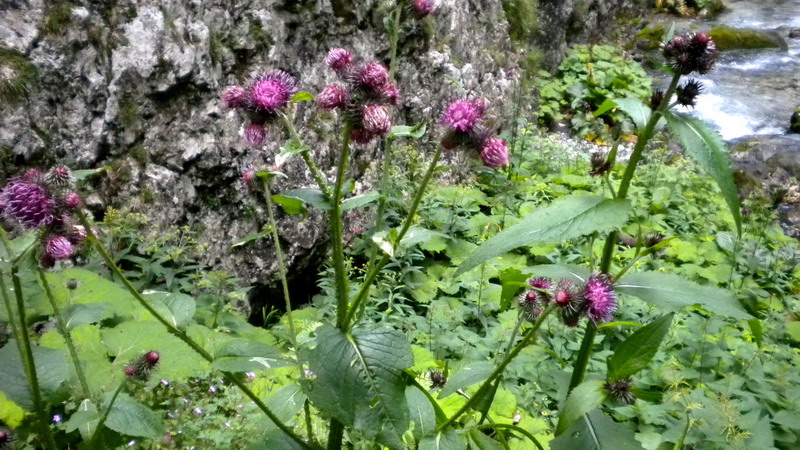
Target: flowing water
753	92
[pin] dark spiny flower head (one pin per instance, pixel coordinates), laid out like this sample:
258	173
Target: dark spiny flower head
58	177
72	200
28	204
691	53
687	94
653	239
656	98
255	135
437	378
339	59
600	164
6	438
571	316
620	391
143	366
423	8
271	91
332	97
600	298
567	295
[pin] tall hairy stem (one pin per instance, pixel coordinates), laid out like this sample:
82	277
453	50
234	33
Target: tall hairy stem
372	274
104	417
62	327
337	234
585	353
281	259
319	178
230	377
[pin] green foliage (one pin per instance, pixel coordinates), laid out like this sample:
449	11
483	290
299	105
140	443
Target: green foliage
588	396
17	76
588	76
58	18
635	353
523	18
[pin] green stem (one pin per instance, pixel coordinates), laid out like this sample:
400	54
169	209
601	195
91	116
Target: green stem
384	186
230	377
579	370
394	37
30	363
65	332
335	435
102	420
519	430
306	155
337	235
281	261
529	336
309	428
14	330
363	293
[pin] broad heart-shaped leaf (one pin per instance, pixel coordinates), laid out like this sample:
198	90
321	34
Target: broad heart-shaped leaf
706	147
585	397
636	352
359	380
290	205
422	413
285	402
470	374
635	109
92	289
446	440
240	355
360	200
414	132
177	308
596	431
673	293
563	219
51	371
578	274
131	418
313	197
85	419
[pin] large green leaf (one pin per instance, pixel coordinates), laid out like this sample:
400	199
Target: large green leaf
564	219
91	289
241	355
129	417
578	274
635	109
706	147
359	380
674	292
177	308
51	371
422	412
85	420
286	402
596	431
585	397
470	374
636	352
446	440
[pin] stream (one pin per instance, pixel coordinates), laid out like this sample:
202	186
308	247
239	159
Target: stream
753	92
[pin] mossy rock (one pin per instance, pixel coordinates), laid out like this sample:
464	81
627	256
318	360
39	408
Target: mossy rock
794	122
728	38
17	75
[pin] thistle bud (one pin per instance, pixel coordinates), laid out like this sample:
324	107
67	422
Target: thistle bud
339	59
72	284
58	248
656	98
687	94
234	97
620	391
437	378
374	76
600	164
58	177
27	203
376	120
495	153
423	8
272	91
255	135
72	200
332	97
152	357
6	438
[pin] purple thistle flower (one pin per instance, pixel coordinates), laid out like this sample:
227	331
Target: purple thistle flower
28	204
255	135
234	97
376	119
600	298
463	115
423	8
6	438
72	200
332	96
339	59
58	248
249	178
58	177
361	136
33	176
272	91
566	294
374	76
494	153
541	283
76	234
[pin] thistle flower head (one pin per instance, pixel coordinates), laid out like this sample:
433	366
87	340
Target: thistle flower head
255	135
567	295
600	164
234	97
687	94
141	367
28	204
152	357
691	53
332	96
494	153
72	200
600	298
620	391
272	91
463	115
376	120
6	438
76	234
339	59
58	177
423	8
249	178
373	76
438	379
33	176
656	98
58	248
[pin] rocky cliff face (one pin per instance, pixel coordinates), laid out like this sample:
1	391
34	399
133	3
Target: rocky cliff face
134	84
